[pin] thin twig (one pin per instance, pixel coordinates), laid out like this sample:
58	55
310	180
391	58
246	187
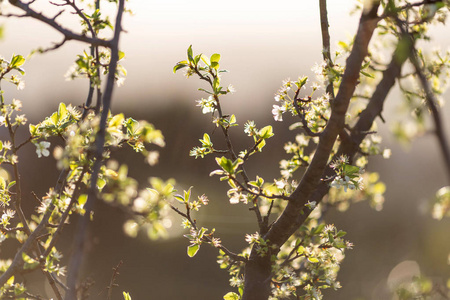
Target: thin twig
326	50
207	238
112	282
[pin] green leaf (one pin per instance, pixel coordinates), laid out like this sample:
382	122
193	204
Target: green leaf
187	194
343	45
318	229
33	129
232	119
82	199
215	58
192	250
302	81
266	132
2	183
121	55
101	183
132	126
168	189
365	65
62	112
179	198
261	145
81	63
313	260
206	141
231	296
54	119
197	58
341	233
117	120
367	74
126	296
226	164
350	170
216	84
206	60
16	61
208	92
11	184
179	66
189	54
1	145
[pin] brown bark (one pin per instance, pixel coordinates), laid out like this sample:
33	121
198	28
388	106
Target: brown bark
258	269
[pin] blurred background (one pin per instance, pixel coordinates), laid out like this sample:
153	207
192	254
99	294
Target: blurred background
261	43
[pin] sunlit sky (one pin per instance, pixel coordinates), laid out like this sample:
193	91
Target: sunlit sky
261	44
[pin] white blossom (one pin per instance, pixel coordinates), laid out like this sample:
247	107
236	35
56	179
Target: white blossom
277	112
42	149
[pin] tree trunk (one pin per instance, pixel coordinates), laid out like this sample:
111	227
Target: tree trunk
258	271
257	277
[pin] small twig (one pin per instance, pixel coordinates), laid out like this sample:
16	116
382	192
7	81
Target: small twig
303	120
113	280
260	194
65	215
208	239
24	143
54	47
326	51
252	149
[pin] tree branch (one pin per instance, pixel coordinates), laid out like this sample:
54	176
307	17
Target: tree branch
258	269
431	101
283	227
80	238
68	34
326	49
17	262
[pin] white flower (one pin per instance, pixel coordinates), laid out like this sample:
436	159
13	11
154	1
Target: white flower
207	105
152	158
231	89
287	84
311	204
21	85
235	198
2	120
42	149
387	153
16	104
301	140
277	112
252	238
72	73
120	81
280	184
315	86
